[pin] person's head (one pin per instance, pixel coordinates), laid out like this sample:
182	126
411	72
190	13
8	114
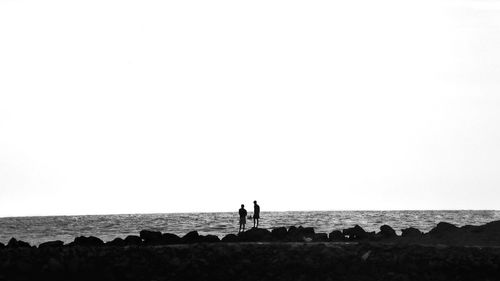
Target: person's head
255	202
242	206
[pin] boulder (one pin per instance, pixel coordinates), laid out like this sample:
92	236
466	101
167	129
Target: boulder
133	240
411	232
89	241
356	233
336	235
118	242
443	228
299	234
151	237
320	237
255	235
2	245
14	243
279	233
51	244
191	237
230	238
209	238
387	232
169	238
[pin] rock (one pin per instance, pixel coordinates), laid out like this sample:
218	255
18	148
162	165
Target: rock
356	233
151	237
133	240
320	237
90	241
191	237
2	245
54	265
14	243
51	244
279	233
387	232
411	232
118	242
169	239
443	228
255	235
230	238
209	239
336	235
299	234
306	231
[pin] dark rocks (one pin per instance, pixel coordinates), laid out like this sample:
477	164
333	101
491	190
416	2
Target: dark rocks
14	243
191	237
117	242
209	239
320	237
89	241
411	232
151	237
300	234
169	238
356	233
255	235
387	232
133	240
230	238
51	244
336	235
279	233
2	245
443	228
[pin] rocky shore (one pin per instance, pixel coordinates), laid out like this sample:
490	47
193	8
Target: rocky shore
446	252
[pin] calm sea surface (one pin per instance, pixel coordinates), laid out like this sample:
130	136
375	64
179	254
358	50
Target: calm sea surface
107	227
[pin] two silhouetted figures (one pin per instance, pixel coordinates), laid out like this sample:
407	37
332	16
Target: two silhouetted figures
243	216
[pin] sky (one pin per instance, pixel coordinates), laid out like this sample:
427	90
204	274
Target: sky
131	106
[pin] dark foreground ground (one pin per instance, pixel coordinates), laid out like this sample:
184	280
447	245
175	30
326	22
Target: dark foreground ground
445	253
253	261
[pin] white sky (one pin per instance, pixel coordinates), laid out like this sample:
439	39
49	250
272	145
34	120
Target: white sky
125	106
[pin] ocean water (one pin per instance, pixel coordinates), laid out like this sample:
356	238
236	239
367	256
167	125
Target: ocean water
36	230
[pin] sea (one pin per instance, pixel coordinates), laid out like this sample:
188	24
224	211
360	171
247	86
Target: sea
36	230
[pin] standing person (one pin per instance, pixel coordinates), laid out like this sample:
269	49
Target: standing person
256	214
243	218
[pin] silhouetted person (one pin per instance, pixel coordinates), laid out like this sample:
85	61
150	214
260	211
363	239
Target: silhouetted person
243	218
256	214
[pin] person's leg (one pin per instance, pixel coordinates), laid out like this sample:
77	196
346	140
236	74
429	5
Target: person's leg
257	223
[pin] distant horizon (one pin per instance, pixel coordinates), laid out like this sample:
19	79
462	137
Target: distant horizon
250	212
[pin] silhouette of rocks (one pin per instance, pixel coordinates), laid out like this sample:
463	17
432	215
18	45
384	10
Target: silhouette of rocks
191	237
151	237
279	233
336	235
2	245
117	242
320	237
443	228
387	232
169	238
253	261
356	233
51	244
411	232
300	234
14	243
255	235
230	238
133	240
90	241
209	239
